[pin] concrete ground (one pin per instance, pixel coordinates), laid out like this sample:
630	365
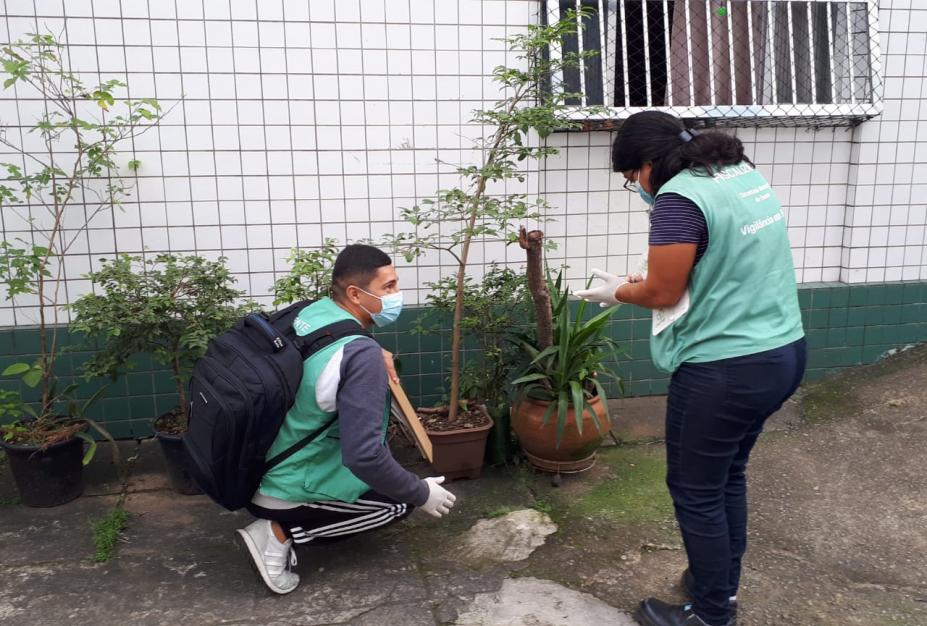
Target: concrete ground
838	536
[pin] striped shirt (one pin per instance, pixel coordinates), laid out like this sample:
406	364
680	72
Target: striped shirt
676	219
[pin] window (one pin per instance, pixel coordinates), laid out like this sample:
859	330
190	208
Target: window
740	62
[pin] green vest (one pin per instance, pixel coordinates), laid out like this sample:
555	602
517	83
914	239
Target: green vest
315	472
743	297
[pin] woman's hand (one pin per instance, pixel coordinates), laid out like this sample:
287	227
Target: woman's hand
603	293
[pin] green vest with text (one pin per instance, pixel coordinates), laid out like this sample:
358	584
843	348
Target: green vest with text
743	297
315	472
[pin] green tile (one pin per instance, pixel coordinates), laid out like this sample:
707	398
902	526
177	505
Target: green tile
640	328
139	384
659	387
819	318
113	409
874	336
817	338
836	337
626	312
820	298
893	293
163	382
838	317
875	295
856	316
859	296
121	429
6	342
141	428
815	374
142	407
912	293
851	356
621	331
818	358
872	315
433	342
913	313
640	349
872	353
855	335
839	296
164	403
804	298
891	314
432	384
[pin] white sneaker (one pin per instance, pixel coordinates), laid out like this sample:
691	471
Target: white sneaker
270	558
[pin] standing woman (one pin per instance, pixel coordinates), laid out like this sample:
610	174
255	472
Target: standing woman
726	325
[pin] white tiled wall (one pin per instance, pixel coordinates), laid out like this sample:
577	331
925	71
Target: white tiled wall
304	120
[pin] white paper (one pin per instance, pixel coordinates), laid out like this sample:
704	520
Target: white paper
663	318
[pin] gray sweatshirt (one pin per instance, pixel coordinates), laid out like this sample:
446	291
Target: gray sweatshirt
361	401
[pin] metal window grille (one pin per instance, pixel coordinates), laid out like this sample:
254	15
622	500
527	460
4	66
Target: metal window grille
733	63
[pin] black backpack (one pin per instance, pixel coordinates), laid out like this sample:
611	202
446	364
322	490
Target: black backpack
239	394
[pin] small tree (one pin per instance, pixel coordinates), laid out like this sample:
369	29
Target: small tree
492	309
169	307
56	190
310	275
450	221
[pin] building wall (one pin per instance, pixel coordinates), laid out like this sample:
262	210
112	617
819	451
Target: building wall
306	120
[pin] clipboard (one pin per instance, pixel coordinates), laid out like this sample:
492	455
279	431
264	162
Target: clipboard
402	410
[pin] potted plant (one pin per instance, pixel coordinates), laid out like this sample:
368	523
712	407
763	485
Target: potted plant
169	307
66	178
448	223
562	379
492	308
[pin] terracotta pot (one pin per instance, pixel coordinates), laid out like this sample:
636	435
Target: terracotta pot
459	453
576	451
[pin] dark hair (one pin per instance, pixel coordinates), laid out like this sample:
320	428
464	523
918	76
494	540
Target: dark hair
659	138
357	265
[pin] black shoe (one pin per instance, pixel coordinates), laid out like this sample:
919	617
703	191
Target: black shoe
653	612
688	584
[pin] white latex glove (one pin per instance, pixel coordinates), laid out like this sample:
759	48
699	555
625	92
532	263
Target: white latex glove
440	500
603	293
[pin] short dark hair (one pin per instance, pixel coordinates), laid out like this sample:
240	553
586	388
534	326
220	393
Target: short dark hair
357	265
655	136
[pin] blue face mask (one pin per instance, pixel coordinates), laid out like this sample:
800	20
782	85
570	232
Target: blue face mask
390	309
646	197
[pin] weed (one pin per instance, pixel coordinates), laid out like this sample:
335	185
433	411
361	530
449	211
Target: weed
106	532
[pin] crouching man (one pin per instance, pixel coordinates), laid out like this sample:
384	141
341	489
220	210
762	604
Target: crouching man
345	481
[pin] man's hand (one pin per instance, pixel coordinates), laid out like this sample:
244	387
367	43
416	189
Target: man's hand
440	500
390	366
604	293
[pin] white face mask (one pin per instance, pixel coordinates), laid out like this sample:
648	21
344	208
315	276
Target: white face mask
390	309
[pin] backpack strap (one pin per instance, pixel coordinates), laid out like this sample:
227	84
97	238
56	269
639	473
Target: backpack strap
307	346
327	335
296	447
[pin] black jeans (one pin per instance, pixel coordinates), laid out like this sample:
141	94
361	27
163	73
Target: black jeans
715	412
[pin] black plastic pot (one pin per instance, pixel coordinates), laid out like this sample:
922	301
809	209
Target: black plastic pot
47	477
178	464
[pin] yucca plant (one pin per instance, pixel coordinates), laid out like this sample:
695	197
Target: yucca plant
569	372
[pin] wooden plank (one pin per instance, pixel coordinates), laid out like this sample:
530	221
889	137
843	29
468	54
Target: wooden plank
407	417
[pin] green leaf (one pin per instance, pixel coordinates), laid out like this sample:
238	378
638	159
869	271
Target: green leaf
563	404
578	404
529	378
17	369
91	448
134	165
33	377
